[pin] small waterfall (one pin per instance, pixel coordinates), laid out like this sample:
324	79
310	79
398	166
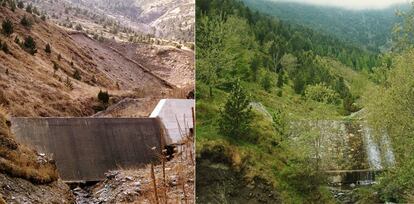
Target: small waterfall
389	154
372	149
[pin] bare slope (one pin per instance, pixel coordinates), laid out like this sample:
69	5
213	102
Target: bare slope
31	85
169	19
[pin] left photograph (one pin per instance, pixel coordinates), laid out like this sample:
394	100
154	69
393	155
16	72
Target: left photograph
97	101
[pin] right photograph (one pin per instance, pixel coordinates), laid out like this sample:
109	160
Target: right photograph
304	101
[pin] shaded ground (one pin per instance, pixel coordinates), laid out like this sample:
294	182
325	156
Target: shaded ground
218	182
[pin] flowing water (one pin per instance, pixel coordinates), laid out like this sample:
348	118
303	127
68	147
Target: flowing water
372	149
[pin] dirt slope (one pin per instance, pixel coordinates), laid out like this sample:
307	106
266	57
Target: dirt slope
172	64
30	86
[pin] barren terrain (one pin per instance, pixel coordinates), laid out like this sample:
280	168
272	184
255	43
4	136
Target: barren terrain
45	84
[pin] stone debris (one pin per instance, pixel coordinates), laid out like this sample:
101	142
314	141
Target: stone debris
135	185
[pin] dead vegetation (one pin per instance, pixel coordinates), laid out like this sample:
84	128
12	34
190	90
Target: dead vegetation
19	161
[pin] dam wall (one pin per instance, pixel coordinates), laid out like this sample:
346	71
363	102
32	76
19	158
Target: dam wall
85	148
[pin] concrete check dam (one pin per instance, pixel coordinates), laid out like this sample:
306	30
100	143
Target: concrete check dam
85	148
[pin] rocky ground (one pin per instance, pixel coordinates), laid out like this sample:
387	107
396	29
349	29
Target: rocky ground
17	191
137	185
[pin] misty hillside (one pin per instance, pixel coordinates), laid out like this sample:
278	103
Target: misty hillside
369	28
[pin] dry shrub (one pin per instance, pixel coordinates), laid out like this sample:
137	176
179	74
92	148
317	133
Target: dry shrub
3	98
147	91
19	161
22	111
2	201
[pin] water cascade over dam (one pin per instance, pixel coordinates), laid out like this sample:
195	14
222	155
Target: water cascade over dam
349	151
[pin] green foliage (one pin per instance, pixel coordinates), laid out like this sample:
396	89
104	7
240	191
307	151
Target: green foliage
280	80
30	45
280	123
403	31
397	185
255	68
370	27
267	82
389	107
236	115
263	52
103	96
7	27
322	93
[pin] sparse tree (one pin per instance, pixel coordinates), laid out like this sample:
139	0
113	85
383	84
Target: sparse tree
48	49
5	48
7	27
17	40
26	22
12	5
30	45
55	66
78	27
68	83
36	11
103	96
20	5
77	75
29	8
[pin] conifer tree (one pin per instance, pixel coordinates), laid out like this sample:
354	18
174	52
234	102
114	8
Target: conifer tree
236	116
7	27
30	45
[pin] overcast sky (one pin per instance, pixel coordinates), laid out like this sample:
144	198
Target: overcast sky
353	4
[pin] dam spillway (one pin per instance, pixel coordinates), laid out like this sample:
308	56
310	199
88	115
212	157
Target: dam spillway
349	151
85	148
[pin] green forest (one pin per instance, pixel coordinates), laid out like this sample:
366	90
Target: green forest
257	75
367	28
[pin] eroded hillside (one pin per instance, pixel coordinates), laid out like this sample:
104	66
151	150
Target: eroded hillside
169	19
66	79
